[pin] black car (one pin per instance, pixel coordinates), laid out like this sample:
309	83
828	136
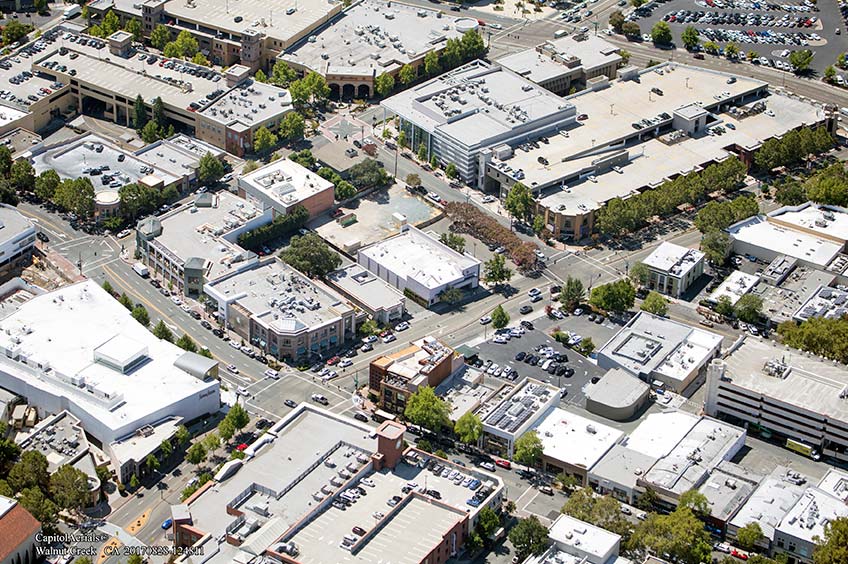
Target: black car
42	237
525	309
552	368
217	332
155	283
360	417
262	423
195	314
556	289
434	494
595	379
520	356
534	361
560	371
527	325
205	324
351	353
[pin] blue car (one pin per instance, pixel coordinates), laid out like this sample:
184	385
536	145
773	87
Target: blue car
167	524
475	483
473	502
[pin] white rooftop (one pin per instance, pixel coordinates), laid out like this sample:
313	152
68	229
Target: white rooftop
673	259
574	439
658	433
835	482
8	115
517	407
735	286
581	538
415	255
807	518
45	332
283	182
775	495
563	56
760	232
365	287
827	302
249	104
830	222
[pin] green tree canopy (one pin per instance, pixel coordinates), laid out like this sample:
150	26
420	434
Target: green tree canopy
833	547
616	20
696	501
495	270
160	36
454	241
425	409
661	33
311	255
500	318
749	308
29	472
406	75
748	536
210	169
716	246
186	343
39	505
196	453
139	313
529	537
368	173
264	140
519	201
617	296
690	37
162	331
139	112
69	487
572	293
639	274
384	84
468	428
282	74
655	303
801	60
680	535
528	449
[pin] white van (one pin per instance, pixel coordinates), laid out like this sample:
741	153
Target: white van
242	391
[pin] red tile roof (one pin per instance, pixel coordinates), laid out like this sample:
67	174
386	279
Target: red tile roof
16	526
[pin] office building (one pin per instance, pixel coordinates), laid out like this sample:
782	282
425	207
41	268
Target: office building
789	393
574	444
565	64
283	500
617	473
512	411
396	376
180	156
196	242
419	265
282	312
672	269
374	295
17	239
736	285
115	376
18	532
574	541
660	351
282	185
824	302
803	526
371	38
835	482
473	108
636	132
727	489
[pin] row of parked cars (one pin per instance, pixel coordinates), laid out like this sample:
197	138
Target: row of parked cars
736	18
762	36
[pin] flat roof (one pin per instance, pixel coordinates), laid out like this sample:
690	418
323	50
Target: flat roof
782	302
673	259
281	298
659	433
735	286
192	231
835	482
679	471
518	407
179	154
78	156
583	537
478	103
806	519
558	57
809	382
420	357
617	388
649	343
728	488
826	221
759	232
826	302
45	330
282	20
14	225
417	256
249	104
373	37
622	465
60	438
574	439
770	501
366	288
283	182
464	392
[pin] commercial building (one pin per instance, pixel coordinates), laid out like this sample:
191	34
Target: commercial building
574	541
617	473
789	393
465	391
18	530
727	489
180	156
17	239
567	63
573	444
618	395
282	501
371	38
672	269
396	376
283	184
783	300
62	441
419	265
374	295
660	351
814	235
734	287
473	108
835	482
196	243
825	302
281	311
636	132
775	495
804	524
512	411
115	376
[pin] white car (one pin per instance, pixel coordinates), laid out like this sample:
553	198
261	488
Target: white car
488	199
534	292
540	255
124	233
176	300
492	368
233	368
345	363
389	338
402	326
486	465
370	483
271	373
722	547
485	319
370	339
186	308
234	344
557	313
495	26
500	340
435	197
330	375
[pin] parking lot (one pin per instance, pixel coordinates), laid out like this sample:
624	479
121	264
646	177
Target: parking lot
771	30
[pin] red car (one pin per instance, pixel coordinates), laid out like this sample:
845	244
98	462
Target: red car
503	463
338	213
241	447
738	554
333	360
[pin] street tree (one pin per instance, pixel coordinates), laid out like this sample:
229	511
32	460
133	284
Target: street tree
451	171
731	51
384	84
801	60
454	241
468	428
572	293
487	523
617	296
639	274
210	168
139	112
422	153
182	436
680	535
196	453
292	127
166	448
529	537
696	502
749	308
690	37
616	20
282	74
46	184
631	29
151	462
500	318
22	176
833	547
39	505
451	295
238	416
528	449
264	140
829	74
661	33
412	179
519	201
344	190
134	27
406	75
211	442
749	535
495	271
431	63
311	255
161	331
655	303
139	313
69	488
724	306
716	246
186	343
425	409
